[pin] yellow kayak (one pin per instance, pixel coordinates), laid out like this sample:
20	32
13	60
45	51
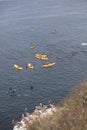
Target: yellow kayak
33	29
33	46
41	57
49	65
30	66
53	31
18	67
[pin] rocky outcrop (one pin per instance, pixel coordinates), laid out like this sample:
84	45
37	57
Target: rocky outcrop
39	113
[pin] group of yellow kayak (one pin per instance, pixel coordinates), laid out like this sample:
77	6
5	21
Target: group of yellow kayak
18	67
44	57
39	57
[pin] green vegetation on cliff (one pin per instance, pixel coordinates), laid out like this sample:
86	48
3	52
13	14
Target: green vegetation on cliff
71	114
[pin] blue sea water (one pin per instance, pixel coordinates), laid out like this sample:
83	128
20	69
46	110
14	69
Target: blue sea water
17	18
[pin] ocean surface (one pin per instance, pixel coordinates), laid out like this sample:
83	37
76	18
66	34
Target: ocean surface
23	90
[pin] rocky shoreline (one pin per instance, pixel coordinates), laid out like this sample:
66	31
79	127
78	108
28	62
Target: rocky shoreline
39	113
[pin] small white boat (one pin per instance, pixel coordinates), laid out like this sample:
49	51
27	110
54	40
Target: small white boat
18	67
30	66
84	44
